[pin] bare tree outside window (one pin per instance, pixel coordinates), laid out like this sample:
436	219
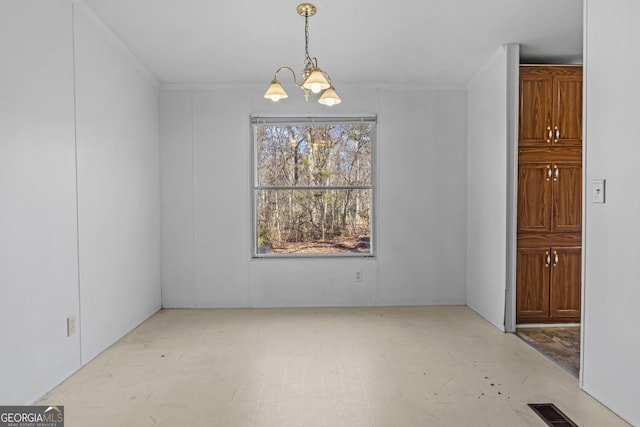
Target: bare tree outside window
313	188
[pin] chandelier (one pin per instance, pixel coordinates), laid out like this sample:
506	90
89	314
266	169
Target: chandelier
313	78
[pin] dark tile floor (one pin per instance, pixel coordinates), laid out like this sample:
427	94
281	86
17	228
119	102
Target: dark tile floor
561	344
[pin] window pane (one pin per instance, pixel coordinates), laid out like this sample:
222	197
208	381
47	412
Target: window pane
313	221
313	155
313	187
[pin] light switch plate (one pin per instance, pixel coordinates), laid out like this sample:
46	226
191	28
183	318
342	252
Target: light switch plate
597	191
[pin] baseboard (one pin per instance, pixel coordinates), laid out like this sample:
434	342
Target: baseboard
546	325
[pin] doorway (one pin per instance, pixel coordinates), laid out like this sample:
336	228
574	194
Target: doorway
547	229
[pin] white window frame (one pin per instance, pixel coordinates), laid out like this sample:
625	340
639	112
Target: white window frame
255	188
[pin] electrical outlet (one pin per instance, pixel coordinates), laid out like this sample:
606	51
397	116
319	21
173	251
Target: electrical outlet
71	325
597	195
358	276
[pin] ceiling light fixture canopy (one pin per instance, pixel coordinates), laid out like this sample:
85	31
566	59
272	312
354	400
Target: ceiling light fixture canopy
313	78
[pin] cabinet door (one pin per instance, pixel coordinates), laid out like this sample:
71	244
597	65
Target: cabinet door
534	197
565	291
536	100
567	197
532	284
567	107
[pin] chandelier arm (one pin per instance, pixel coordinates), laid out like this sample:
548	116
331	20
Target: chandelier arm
293	73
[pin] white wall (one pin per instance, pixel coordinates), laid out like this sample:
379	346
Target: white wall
487	188
177	201
422	209
118	187
91	252
38	251
206	206
611	285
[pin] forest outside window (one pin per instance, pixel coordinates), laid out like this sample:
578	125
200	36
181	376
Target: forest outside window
313	192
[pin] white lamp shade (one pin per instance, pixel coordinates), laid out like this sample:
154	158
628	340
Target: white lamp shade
316	82
329	97
275	92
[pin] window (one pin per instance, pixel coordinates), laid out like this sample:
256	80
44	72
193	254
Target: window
313	192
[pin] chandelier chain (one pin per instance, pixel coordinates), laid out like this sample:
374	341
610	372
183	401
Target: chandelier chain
307	58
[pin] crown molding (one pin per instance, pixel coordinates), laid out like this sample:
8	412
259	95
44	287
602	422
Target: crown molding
362	87
81	7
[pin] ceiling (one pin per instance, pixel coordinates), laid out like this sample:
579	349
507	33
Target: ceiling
401	42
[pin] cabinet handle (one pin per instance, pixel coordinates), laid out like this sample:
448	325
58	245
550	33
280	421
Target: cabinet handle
549	173
548	259
555	258
549	134
557	134
556	172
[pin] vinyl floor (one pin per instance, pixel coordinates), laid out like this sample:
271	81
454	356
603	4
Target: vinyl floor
561	344
411	366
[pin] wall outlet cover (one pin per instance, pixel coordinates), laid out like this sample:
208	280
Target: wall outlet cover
598	191
71	325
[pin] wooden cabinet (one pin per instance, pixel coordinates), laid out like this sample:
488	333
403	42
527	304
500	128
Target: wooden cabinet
547	277
549	196
550	106
549	208
532	278
565	296
566	197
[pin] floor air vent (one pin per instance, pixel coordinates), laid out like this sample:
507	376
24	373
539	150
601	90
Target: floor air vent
552	415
